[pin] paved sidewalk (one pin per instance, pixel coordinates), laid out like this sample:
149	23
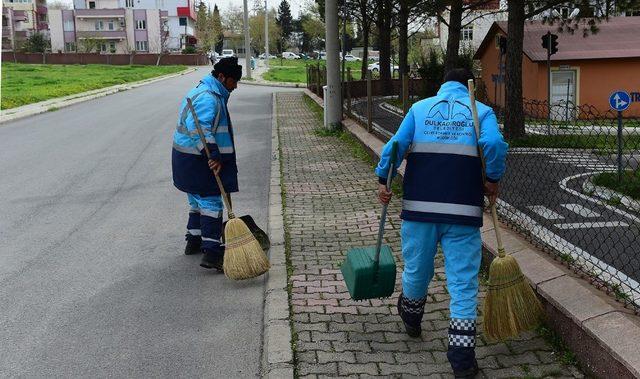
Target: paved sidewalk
330	207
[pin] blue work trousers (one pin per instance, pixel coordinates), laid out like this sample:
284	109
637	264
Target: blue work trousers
205	221
462	248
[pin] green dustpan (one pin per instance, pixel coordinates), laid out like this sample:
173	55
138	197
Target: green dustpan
370	272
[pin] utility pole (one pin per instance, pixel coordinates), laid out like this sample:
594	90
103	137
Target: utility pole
247	42
344	52
332	100
266	34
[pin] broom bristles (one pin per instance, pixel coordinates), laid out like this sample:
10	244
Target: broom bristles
510	306
243	257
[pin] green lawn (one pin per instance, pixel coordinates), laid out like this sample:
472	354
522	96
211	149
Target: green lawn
629	185
294	71
30	83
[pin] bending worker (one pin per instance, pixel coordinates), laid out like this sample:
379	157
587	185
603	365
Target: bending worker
191	169
442	203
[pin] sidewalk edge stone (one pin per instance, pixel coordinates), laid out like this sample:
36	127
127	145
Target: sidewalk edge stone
277	352
590	339
65	101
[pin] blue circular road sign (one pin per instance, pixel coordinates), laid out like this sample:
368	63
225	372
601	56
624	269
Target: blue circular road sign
619	100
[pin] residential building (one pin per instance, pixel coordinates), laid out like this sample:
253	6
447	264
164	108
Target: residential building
109	30
585	70
181	16
20	19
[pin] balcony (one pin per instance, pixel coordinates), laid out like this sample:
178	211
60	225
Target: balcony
41	9
99	13
6	31
186	12
19	16
43	25
20	34
102	34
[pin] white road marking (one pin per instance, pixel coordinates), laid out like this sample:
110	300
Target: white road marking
582	211
546	212
582	258
587	225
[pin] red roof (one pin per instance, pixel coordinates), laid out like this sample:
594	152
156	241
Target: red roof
616	38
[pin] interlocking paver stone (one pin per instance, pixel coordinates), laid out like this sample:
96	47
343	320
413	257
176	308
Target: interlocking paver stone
330	207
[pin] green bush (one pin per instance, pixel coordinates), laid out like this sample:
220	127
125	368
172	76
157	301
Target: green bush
36	43
189	50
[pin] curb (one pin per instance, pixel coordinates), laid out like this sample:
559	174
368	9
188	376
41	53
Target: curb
277	352
62	102
275	84
599	330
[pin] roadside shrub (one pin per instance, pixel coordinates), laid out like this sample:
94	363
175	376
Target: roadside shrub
36	43
189	50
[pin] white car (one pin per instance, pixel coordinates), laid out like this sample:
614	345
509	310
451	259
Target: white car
290	55
263	55
352	58
375	68
227	53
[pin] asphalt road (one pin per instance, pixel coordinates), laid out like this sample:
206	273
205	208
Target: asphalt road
544	188
92	275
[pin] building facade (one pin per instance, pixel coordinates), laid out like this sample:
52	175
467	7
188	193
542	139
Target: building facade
20	19
181	16
109	30
584	71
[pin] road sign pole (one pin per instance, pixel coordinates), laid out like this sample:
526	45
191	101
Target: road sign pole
548	83
619	146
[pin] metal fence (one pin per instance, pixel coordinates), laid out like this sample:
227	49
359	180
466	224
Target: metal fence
572	185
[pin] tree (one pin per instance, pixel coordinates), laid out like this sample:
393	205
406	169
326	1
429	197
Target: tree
384	22
284	19
521	10
256	31
36	43
87	45
58	5
362	11
233	20
203	32
159	44
216	29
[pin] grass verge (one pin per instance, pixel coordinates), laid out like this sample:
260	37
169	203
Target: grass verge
562	351
31	83
629	185
295	71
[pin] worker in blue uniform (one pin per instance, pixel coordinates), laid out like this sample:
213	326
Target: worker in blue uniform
442	204
192	171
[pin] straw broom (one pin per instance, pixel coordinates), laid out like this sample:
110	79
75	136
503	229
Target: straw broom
510	306
243	258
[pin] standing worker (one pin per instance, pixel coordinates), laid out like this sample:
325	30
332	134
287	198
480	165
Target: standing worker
442	203
191	169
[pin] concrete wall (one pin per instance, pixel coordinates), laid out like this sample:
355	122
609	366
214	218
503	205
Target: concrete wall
56	30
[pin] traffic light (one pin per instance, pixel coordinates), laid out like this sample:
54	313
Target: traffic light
553	38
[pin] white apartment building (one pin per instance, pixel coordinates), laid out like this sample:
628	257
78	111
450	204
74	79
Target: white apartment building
109	30
181	16
20	19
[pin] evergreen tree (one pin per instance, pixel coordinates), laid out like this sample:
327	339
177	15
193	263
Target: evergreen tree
216	29
202	29
284	19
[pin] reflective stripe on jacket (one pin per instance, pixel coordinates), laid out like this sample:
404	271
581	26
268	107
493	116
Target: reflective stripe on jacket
443	177
191	172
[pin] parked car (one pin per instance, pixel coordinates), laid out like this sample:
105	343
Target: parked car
352	58
375	68
290	55
263	55
227	53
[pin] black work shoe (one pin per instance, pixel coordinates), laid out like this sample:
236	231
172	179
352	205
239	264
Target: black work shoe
469	373
411	312
212	260
193	247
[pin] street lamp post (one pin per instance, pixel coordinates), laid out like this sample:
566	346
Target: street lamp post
247	45
266	34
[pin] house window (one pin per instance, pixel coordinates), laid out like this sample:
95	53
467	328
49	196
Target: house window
69	47
99	25
103	47
92	5
112	47
467	33
111	25
141	24
68	26
182	21
142	46
129	4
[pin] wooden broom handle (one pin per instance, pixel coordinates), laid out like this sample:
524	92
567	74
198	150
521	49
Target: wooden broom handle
476	124
224	194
